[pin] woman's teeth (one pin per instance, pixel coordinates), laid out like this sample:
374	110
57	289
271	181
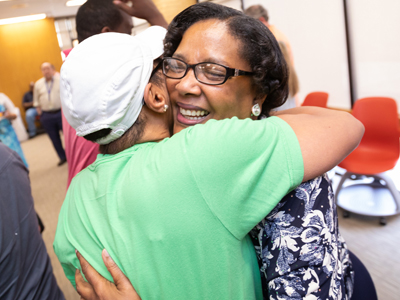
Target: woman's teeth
194	114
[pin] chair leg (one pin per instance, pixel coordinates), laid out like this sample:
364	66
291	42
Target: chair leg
391	187
341	182
346	214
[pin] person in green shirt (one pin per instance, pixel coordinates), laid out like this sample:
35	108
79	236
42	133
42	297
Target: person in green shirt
174	213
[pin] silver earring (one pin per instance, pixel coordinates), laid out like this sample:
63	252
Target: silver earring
256	110
165	107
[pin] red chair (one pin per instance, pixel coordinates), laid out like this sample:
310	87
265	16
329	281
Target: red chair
377	153
319	99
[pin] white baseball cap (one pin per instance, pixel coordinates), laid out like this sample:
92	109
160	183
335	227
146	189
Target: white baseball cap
103	81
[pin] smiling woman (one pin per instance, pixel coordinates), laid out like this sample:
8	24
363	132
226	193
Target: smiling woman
295	258
224	38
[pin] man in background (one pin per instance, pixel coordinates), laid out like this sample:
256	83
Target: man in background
258	12
46	99
25	268
30	111
94	17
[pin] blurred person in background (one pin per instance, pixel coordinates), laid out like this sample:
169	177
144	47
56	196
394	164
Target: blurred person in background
30	111
25	268
258	12
94	17
46	99
293	81
7	134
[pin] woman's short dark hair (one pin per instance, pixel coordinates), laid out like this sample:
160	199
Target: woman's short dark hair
258	47
94	15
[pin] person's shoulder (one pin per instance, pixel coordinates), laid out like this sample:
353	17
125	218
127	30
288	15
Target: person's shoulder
7	156
39	81
3	96
5	153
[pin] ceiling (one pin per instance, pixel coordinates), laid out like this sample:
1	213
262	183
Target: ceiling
52	8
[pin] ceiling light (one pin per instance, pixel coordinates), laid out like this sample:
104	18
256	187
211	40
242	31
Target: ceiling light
22	19
75	2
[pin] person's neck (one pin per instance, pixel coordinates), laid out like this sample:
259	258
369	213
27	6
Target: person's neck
266	23
49	79
156	126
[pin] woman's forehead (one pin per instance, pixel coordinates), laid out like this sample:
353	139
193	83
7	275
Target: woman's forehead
211	41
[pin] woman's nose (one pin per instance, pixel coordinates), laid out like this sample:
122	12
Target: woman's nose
189	84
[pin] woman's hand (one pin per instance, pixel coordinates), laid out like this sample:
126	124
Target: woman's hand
9	115
143	9
99	288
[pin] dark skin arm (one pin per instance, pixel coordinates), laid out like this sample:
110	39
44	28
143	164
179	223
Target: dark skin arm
28	104
143	9
99	288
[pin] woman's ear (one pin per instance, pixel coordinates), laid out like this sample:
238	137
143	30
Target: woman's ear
155	98
106	29
259	99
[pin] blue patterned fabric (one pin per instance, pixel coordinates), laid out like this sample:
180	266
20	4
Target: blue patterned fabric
300	250
8	136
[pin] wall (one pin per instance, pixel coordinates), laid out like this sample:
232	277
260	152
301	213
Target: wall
24	47
375	31
170	8
316	32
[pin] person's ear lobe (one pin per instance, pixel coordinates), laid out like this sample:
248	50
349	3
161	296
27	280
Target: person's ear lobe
259	99
106	29
155	99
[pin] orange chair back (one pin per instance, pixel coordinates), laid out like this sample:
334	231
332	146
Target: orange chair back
319	99
379	148
380	119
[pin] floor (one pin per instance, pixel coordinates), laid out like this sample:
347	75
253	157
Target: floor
377	246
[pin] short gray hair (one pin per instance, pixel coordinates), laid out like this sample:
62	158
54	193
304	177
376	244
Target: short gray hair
256	12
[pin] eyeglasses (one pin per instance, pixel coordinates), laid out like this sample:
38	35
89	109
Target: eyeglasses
205	72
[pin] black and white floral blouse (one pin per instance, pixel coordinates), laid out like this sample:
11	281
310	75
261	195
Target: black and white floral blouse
300	250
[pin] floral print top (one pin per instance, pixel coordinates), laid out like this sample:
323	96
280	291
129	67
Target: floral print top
300	250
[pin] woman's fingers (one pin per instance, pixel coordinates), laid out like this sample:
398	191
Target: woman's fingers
121	4
118	276
92	276
121	281
83	288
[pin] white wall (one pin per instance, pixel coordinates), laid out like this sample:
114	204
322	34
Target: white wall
316	31
375	39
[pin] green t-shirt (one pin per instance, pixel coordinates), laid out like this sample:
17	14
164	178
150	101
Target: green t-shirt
175	215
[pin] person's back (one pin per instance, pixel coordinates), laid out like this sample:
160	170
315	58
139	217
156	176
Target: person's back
25	267
176	225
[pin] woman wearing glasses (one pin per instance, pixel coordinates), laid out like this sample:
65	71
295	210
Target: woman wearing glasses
220	64
300	250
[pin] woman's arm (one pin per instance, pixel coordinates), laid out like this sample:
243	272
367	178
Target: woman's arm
144	9
10	113
325	136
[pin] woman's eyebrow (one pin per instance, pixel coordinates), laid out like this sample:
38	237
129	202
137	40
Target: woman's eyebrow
216	61
177	55
208	59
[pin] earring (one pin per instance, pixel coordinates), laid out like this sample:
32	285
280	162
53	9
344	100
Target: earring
165	107
256	110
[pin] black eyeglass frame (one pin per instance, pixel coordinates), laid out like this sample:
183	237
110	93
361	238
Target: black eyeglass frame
230	72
